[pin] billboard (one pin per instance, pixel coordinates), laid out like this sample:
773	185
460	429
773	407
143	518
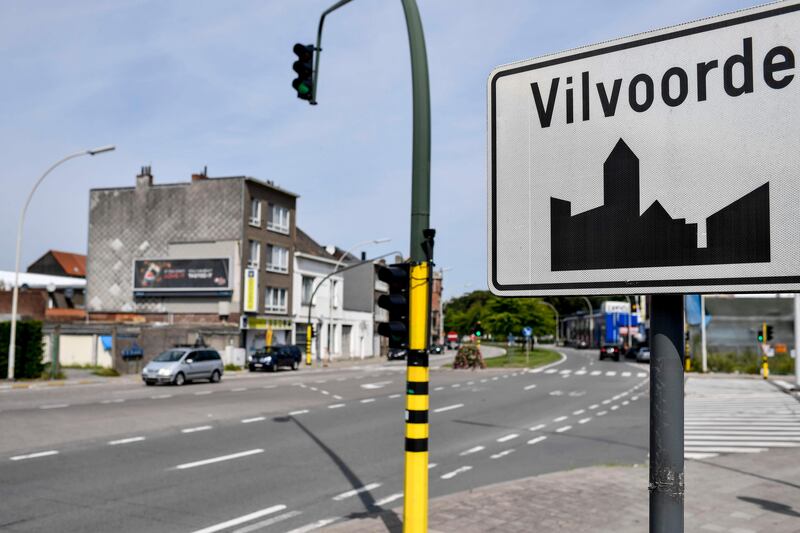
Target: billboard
251	290
663	162
181	275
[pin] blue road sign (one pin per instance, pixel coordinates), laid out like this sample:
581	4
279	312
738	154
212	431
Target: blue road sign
527	331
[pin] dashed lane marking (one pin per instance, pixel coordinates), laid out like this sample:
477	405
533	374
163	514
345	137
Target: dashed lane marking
54	406
300	412
388	499
395	395
448	408
315	525
241	519
254	419
602	413
354	492
537	428
201	393
578	412
457	471
501	454
626	374
529	387
596	372
34	455
368	400
508	437
118	400
268	522
563	429
594	406
611	373
475	449
125	441
337	397
220	459
196	429
239	389
537	440
438	388
584	420
336	406
560	419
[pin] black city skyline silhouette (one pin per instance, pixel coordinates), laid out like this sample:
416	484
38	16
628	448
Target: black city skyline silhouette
615	235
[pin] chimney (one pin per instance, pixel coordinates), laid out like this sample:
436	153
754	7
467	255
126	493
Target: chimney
203	176
145	178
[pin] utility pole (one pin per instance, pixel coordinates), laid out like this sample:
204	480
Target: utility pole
797	341
666	414
591	321
703	344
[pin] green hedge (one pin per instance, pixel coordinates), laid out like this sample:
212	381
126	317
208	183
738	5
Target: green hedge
28	359
747	363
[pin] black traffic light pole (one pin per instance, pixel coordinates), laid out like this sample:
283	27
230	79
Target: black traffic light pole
666	414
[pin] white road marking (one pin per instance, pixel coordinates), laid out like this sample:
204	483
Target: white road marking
456	472
203	392
389	499
482	381
272	387
699	455
722	449
584	420
220	459
161	396
580	372
495	378
641	375
626	402
118	400
54	406
448	408
563	429
472	382
314	389
300	412
508	437
614	407
368	400
326	393
196	429
560	419
578	412
351	493
556	393
634	398
529	387
316	525
336	406
432	465
626	374
567	371
125	441
239	389
594	406
611	373
268	522
537	440
456	385
596	372
551	371
747	443
606	402
395	395
438	388
34	455
475	449
241	519
378	385
537	428
336	396
501	454
254	419
601	413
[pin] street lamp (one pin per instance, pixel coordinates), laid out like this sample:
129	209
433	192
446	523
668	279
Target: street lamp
591	321
558	325
336	269
15	296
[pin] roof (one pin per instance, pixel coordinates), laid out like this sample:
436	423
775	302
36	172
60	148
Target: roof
264	183
305	244
73	264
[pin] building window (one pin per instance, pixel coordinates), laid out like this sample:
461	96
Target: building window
277	258
255	212
308	288
276	300
335	295
278	219
255	254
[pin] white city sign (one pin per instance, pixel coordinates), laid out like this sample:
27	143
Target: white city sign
663	162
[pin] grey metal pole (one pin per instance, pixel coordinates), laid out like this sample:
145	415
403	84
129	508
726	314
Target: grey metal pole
797	341
666	414
12	345
703	343
591	321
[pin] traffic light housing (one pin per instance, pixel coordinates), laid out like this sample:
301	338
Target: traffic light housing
762	333
477	330
769	331
304	67
398	277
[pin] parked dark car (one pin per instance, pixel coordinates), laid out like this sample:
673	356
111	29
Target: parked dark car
396	353
610	350
270	359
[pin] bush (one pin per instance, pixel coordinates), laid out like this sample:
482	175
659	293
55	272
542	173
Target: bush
28	358
469	356
745	363
231	366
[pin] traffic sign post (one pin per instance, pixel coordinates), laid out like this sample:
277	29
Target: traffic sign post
664	164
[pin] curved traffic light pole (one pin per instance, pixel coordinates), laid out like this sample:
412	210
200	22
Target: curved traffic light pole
415	511
314	292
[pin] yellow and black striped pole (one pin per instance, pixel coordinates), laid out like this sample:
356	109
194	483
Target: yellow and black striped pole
415	511
764	359
309	331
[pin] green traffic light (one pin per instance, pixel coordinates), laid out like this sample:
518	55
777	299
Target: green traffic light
303	89
760	337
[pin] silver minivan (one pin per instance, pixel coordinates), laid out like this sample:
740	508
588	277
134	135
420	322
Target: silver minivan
183	364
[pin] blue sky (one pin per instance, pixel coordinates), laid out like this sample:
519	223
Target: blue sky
181	85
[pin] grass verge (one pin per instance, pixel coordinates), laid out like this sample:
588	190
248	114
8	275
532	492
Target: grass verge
515	358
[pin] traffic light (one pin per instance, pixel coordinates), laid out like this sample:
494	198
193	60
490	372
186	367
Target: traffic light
396	303
477	330
769	332
762	332
304	66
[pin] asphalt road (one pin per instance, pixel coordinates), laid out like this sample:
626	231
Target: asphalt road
296	450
